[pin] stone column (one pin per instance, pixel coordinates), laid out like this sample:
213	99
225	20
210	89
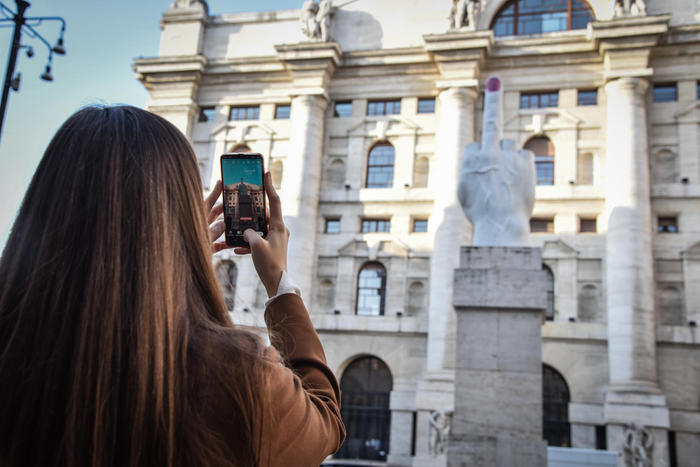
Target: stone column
449	227
302	182
633	394
499	297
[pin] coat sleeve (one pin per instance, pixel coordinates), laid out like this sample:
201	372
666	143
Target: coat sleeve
303	424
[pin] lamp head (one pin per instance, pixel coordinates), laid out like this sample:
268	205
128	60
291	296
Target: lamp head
58	48
46	75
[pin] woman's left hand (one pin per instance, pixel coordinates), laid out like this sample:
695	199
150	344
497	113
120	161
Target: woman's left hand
216	228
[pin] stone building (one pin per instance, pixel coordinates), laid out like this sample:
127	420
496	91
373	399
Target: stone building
362	110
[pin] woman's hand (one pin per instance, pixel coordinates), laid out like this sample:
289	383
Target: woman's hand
216	228
270	253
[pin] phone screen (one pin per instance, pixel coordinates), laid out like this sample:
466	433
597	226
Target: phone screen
244	196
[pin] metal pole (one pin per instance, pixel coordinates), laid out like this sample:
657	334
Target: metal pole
14	47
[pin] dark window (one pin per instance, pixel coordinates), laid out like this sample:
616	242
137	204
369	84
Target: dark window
672	452
380	166
665	92
384	107
282	111
556	429
206	114
342	109
420	225
371	290
668	225
518	17
332	226
365	389
249	112
549	312
539	100
697	91
541	225
376	225
588	226
601	437
588	97
426	105
544	159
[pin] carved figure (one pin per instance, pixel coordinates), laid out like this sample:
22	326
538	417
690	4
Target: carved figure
464	14
630	8
496	181
308	19
473	8
438	428
190	4
323	20
637	446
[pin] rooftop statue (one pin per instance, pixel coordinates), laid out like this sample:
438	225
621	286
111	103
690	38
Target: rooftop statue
316	20
630	8
464	14
190	4
496	181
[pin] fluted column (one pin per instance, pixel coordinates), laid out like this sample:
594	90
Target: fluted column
450	228
301	186
633	395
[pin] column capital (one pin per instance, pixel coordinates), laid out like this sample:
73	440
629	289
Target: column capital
461	93
459	54
310	65
311	99
637	85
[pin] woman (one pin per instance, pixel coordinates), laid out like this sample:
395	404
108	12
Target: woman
115	345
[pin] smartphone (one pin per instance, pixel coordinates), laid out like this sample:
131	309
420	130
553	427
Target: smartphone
244	196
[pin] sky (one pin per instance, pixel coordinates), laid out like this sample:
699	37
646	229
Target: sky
102	38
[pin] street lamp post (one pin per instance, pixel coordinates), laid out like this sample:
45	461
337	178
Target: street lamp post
20	22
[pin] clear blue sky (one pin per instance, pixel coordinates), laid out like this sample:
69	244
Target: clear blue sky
102	38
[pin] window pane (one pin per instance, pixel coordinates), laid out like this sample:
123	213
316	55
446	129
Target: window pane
371	284
544	166
588	97
542	225
244	113
383	107
668	225
426	106
206	114
380	167
282	111
420	225
343	109
665	93
332	226
588	226
541	16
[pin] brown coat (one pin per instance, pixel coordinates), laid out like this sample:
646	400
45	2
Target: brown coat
301	424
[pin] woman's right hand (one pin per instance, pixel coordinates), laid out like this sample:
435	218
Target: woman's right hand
270	253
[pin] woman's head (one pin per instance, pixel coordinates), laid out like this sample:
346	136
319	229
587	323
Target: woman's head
107	265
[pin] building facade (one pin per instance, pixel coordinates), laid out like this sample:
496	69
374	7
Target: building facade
362	110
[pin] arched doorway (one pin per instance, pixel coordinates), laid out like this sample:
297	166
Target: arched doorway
556	428
365	388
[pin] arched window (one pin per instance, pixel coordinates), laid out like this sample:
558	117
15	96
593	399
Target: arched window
544	159
380	166
549	312
519	17
227	273
416	298
588	304
240	148
276	170
420	173
584	174
371	290
365	387
555	408
664	168
335	173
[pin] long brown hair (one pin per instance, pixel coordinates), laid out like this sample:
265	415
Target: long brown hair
106	287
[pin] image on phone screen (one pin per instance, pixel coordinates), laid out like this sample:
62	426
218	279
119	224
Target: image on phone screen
244	203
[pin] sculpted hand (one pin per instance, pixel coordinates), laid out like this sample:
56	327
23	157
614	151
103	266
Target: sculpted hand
270	253
497	182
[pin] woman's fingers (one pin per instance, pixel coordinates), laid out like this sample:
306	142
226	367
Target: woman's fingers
216	229
215	212
213	196
276	219
241	250
218	246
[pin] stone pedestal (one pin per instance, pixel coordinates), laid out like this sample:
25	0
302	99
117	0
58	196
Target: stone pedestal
499	297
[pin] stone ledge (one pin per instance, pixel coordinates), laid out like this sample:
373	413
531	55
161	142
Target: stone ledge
379	324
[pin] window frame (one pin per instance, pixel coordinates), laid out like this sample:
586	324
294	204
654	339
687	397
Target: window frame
202	113
336	114
379	166
539	95
583	220
579	102
382	288
516	16
255	109
376	220
384	107
419	219
667	228
425	99
548	220
282	106
329	220
659	87
542	160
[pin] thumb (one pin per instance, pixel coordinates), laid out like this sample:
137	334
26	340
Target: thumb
251	237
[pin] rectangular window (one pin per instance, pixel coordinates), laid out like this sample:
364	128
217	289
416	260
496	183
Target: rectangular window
426	105
601	437
244	112
589	97
544	168
539	100
376	225
541	225
332	226
667	225
697	91
383	107
588	225
282	111
420	225
672	450
342	109
665	92
206	114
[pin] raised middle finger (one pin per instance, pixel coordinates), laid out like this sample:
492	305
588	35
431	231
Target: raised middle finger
276	220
